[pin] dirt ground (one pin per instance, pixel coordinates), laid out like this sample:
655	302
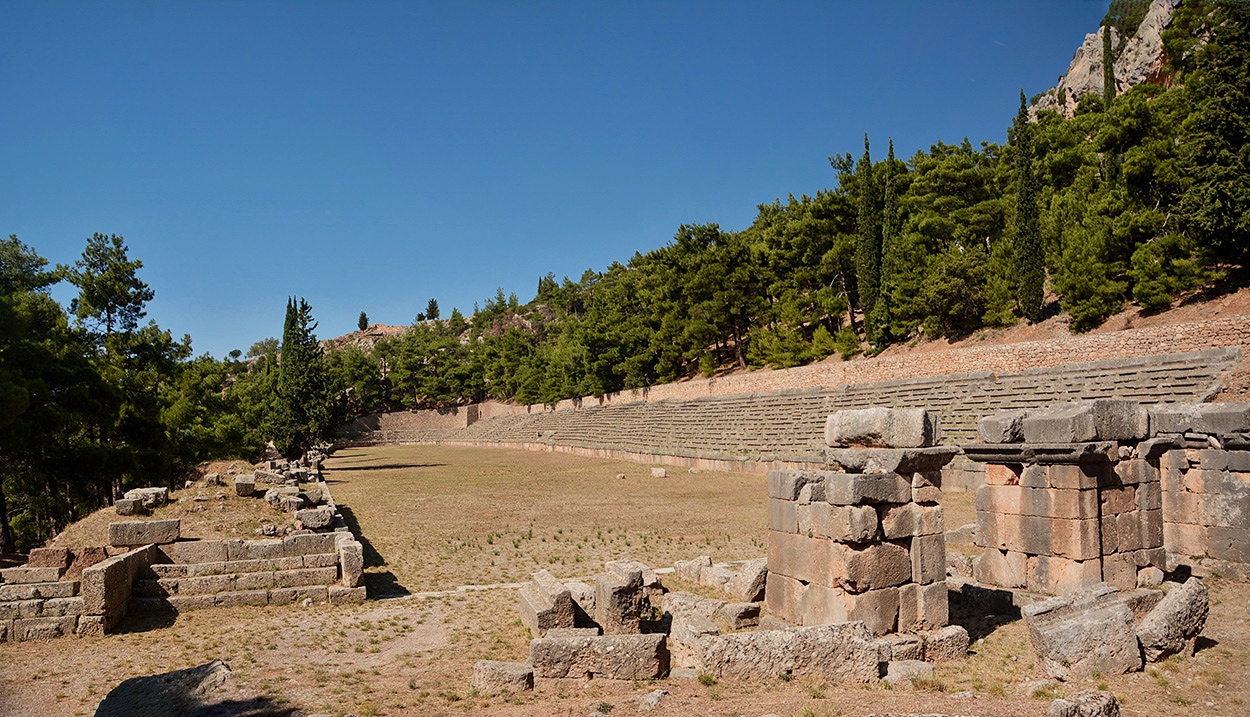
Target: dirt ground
437	518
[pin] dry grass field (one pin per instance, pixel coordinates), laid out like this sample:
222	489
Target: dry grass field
438	518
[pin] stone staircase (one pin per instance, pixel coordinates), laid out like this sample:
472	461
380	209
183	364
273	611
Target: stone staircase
37	604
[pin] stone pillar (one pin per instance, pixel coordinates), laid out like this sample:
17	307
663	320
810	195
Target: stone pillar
863	540
1071	497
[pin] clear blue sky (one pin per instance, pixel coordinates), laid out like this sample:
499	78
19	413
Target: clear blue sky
369	156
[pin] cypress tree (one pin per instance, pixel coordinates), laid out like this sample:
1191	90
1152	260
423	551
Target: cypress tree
868	238
1108	68
1029	262
304	411
883	312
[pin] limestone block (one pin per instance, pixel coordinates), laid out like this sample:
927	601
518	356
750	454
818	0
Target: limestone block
946	644
910	519
1003	474
678	602
545	603
149	498
197	551
1072	477
748	583
926	486
300	577
1173	626
899	646
340	595
318	543
688	630
144	532
58	607
1119	419
803	558
254	549
43	628
1149	577
689	570
928	558
241	597
859	488
1061	423
1087	632
878	609
1042	502
659	472
785	485
812	492
583	603
91	626
821	605
1036	535
1118	499
35	591
13	609
126	506
494	678
619	602
844	523
245	484
901	673
1056	575
351	564
843	652
738	615
1002	427
783	516
5	627
1086	703
182	603
315	518
1208	418
613	657
783	598
48	558
877	565
882	428
889	460
717	577
996	567
922	607
286	596
28	574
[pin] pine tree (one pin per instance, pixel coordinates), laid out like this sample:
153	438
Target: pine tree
1108	68
1029	261
363	322
868	238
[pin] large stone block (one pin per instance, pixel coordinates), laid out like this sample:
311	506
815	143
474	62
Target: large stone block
48	558
748	583
805	559
688	630
842	653
545	603
1042	502
309	543
1085	633
619	601
43	628
1056	575
149	498
1208	418
996	567
254	549
928	558
28	574
910	519
689	570
948	643
1119	420
245	484
144	532
783	516
1061	423
315	518
1173	626
890	460
352	564
613	657
845	523
783	598
785	485
1086	703
1002	427
878	609
922	607
340	595
859	488
493	678
882	428
197	551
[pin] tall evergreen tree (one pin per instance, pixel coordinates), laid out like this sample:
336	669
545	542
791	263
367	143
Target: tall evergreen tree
891	262
305	410
868	237
1030	262
1108	68
363	322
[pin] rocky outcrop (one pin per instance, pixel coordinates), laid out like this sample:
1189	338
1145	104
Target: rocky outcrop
1140	60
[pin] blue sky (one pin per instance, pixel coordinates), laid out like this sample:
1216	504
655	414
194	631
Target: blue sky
371	155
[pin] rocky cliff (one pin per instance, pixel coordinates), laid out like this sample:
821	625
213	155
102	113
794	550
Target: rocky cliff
1139	60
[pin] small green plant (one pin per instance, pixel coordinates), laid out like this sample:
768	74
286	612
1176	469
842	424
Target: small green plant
785	677
706	680
1048	693
603	708
815	693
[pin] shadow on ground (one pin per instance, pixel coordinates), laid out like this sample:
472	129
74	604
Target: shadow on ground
187	692
377	583
392	466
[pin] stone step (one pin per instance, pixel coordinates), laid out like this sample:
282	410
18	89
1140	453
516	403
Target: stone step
38	591
31	575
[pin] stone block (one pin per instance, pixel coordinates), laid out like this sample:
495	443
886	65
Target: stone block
1042	502
738	615
127	506
812	492
1149	496
1002	427
57	607
822	605
878	609
5	627
688	630
351	563
922	607
1207	418
242	597
197	551
1118	499
1056	575
1173	626
1185	538
545	603
619	602
1086	703
843	523
255	581
318	561
843	652
495	678
306	576
315	518
613	657
785	485
1061	423
859	488
926	487
35	591
298	545
207	585
144	532
245	484
13	609
1119	420
340	595
149	498
901	673
1149	577
27	574
286	596
689	570
1119	570
783	598
182	603
91	626
928	558
254	549
783	516
889	460
748	583
882	428
1082	634
48	558
996	567
910	519
43	628
1003	473
1072	477
899	646
948	643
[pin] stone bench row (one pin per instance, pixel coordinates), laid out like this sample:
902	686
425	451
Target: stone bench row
333	594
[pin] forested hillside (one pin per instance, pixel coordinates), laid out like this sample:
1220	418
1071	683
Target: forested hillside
1141	197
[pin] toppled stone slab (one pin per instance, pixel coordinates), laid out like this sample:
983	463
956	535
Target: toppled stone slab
890	460
902	673
126	506
545	603
1087	632
1173	626
1088	703
882	428
842	652
149	498
946	644
245	484
144	532
612	657
491	677
748	584
689	570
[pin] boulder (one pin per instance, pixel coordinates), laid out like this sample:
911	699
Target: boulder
882	428
491	677
1087	703
748	584
1173	626
1085	633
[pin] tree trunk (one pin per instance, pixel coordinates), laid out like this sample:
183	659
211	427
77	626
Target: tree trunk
7	544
